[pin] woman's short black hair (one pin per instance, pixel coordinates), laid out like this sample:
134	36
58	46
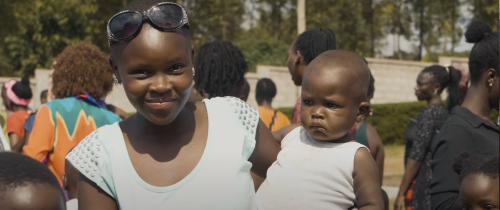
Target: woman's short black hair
22	89
484	54
371	86
447	77
220	67
265	90
314	42
467	164
18	170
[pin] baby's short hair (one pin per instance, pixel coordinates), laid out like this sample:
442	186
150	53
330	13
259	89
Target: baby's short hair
467	164
18	170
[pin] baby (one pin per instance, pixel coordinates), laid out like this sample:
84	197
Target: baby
320	166
479	181
27	184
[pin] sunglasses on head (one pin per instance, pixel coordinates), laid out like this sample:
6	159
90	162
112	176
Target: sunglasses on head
165	16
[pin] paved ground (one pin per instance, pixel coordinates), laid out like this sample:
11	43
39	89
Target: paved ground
392	192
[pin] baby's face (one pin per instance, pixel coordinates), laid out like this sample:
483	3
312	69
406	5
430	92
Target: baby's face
479	192
33	196
329	105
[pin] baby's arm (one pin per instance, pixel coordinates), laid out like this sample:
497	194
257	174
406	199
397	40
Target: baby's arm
281	133
367	182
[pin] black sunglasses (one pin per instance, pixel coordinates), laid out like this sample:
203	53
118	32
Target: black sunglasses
165	16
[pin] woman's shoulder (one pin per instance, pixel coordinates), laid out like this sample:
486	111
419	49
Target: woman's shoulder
235	111
433	110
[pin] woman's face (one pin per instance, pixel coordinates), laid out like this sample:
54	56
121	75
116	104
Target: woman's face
425	86
156	70
293	66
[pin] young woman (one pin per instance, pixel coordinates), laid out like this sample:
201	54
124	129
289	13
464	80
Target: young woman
174	153
430	84
469	127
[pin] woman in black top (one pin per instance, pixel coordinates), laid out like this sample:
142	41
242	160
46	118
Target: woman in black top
469	127
430	84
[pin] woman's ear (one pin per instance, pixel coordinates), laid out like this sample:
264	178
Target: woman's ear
363	111
299	59
113	65
491	78
437	87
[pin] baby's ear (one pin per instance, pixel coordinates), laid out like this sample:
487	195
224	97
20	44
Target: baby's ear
363	111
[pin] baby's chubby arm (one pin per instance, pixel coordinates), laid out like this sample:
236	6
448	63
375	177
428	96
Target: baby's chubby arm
281	133
367	182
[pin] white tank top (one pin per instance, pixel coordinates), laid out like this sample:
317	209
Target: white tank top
221	180
309	174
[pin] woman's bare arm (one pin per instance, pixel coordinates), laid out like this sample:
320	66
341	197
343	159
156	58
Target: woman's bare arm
366	182
377	147
91	197
265	153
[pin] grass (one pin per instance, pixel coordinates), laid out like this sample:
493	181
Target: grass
393	167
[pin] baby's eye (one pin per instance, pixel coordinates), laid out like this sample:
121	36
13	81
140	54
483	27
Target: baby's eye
307	102
466	207
331	105
489	207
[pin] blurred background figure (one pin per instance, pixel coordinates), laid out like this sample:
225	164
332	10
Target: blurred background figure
220	69
18	95
28	125
431	82
264	94
82	78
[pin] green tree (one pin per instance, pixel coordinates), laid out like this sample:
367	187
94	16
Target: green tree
214	19
397	17
42	28
485	10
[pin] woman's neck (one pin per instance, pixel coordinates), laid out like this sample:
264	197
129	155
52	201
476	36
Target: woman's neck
143	128
477	102
266	104
436	99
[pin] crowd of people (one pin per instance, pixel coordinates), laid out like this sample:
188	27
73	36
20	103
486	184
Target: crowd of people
195	143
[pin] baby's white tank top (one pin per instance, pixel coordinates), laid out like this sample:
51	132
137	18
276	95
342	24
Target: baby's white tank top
309	174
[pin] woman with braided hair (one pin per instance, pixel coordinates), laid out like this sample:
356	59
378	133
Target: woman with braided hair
220	69
303	50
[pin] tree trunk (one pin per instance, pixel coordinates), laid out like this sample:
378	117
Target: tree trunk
400	54
301	16
421	36
372	30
